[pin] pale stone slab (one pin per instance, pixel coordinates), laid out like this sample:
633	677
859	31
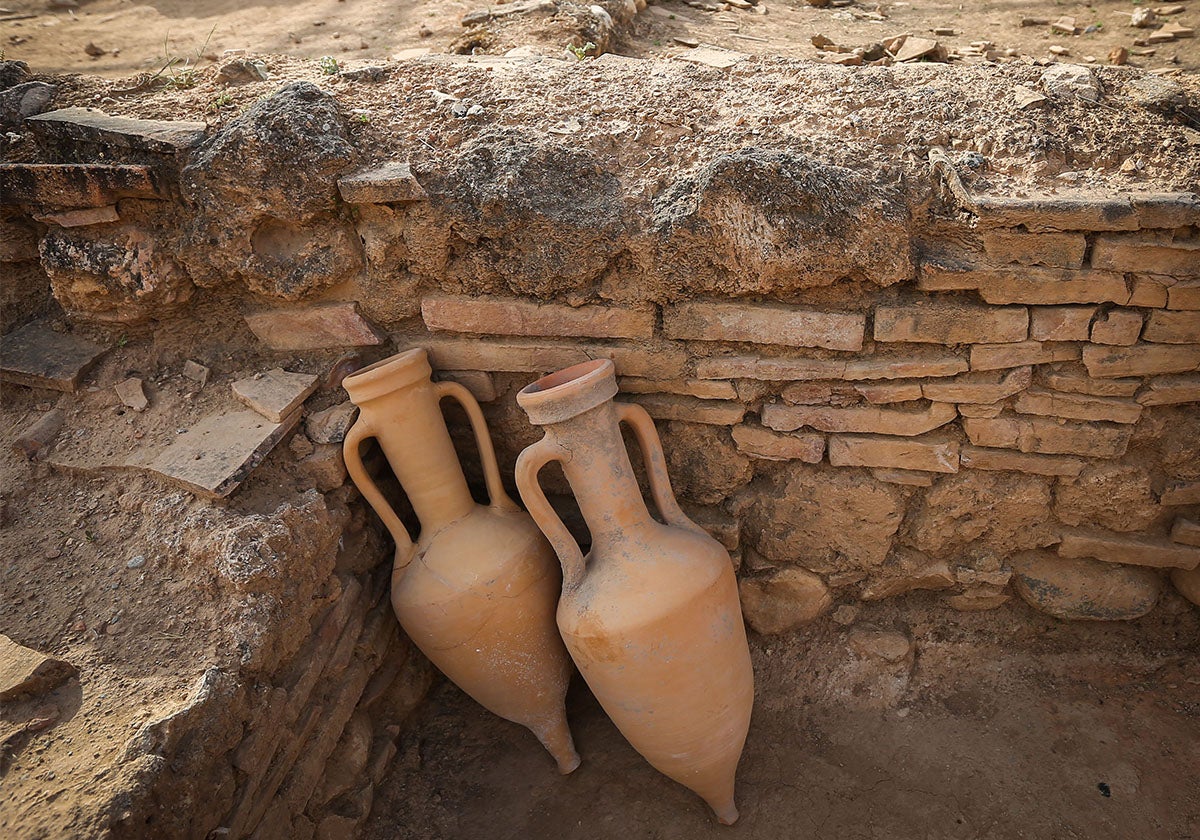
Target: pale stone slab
927	455
39	357
1173	327
1171	390
783	325
1074	379
215	456
1077	406
391	183
863	418
1061	323
276	393
1007	460
997	356
499	316
771	446
26	672
1048	436
691	410
979	387
951	323
1186	531
314	327
1140	360
1136	550
85	125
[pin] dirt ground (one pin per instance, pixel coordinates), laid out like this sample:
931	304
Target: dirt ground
133	36
1008	725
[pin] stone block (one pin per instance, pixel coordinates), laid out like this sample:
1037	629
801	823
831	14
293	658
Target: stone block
1149	291
276	393
25	672
1166	210
481	384
1007	460
871	642
82	217
1170	390
1185	296
908	478
951	323
499	316
1047	436
1140	360
818	393
325	467
1148	253
314	327
783	600
705	389
1117	327
643	359
39	357
1061	323
1062	250
1032	285
775	324
979	388
1182	493
972	410
1058	212
722	527
997	356
690	409
1074	378
391	183
908	366
771	446
1188	584
859	418
1082	589
1167	327
24	100
74	131
1077	406
1131	549
931	454
908	570
68	185
886	393
1186	531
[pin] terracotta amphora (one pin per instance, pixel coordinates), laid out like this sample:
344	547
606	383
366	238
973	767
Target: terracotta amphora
651	616
477	591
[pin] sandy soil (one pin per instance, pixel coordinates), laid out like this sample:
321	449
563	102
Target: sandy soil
134	36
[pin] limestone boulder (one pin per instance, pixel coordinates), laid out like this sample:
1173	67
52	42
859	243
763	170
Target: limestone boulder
1083	589
783	600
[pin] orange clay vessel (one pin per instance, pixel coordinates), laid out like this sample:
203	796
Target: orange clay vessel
477	590
651	616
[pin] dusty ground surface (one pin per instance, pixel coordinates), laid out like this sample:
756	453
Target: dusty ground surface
134	36
1007	725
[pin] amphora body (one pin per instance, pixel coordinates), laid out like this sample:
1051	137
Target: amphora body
477	591
651	616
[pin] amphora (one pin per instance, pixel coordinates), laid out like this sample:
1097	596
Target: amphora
651	616
477	590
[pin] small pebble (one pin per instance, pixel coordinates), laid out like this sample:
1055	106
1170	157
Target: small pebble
136	562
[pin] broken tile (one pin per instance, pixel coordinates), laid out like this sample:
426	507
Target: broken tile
314	327
39	357
25	672
131	394
215	456
196	372
276	393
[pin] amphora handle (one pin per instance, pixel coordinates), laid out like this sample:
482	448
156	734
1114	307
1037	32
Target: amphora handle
529	464
499	498
358	433
656	465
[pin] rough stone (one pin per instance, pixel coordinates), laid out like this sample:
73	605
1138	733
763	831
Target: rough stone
1170	390
392	183
72	185
871	642
978	458
24	100
867	418
1062	250
1173	327
1048	436
131	394
783	600
690	409
1081	589
951	323
39	357
932	454
24	672
325	467
18	242
1061	323
1074	379
880	367
39	436
1077	406
839	523
997	356
907	570
979	387
1186	531
1071	81
1141	360
1187	583
196	372
1118	327
276	393
771	446
1132	549
314	327
1113	496
497	316
704	464
711	321
975	514
907	478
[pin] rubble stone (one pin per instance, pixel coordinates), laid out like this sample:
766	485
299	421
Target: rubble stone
783	600
1113	496
1081	589
24	672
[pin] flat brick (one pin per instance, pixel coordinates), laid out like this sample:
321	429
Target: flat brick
1136	550
979	458
82	217
864	418
1173	328
1061	323
500	316
1166	210
70	185
1170	390
690	409
1077	406
1182	493
1058	212
643	360
1140	360
820	393
391	183
314	327
1120	327
997	356
772	446
1046	436
932	454
974	410
706	389
1186	531
876	367
39	357
69	126
1074	378
764	325
1032	285
885	393
982	387
276	393
1148	253
1148	291
1063	250
908	478
951	323
1184	295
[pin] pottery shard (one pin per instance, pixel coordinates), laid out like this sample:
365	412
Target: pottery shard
873	643
1061	323
764	325
1065	250
1077	406
131	394
1074	378
887	421
1113	496
1173	327
978	458
1135	550
37	356
1082	589
1048	436
276	393
996	356
498	316
313	327
977	513
951	323
933	454
1171	390
25	672
783	600
771	446
1117	327
1141	360
979	387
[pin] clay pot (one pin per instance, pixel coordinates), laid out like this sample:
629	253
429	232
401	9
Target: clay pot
651	615
477	591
